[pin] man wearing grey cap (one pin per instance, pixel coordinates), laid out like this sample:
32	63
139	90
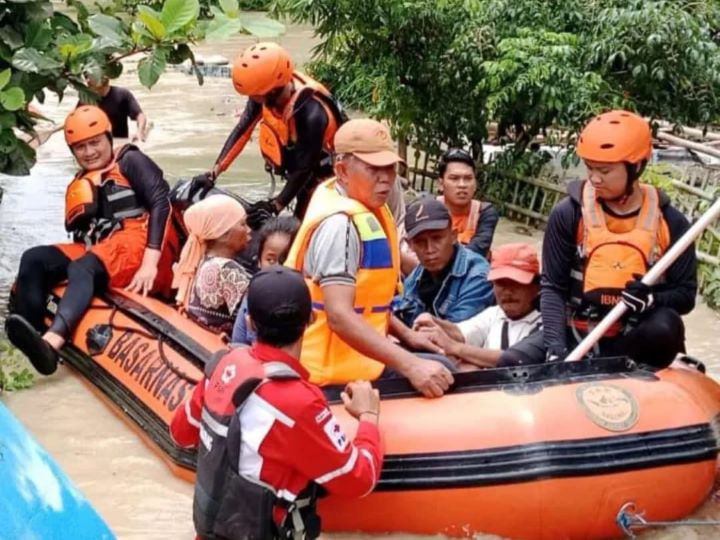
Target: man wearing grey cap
347	249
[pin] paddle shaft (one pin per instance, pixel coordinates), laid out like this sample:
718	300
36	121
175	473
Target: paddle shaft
649	279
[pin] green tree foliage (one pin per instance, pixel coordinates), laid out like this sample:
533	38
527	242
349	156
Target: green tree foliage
443	70
48	47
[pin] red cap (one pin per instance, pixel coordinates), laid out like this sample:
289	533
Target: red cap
518	262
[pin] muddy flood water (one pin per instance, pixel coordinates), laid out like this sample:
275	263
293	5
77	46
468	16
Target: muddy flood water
128	484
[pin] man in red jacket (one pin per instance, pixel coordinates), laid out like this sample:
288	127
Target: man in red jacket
266	437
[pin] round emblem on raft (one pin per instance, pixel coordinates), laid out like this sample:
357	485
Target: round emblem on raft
608	406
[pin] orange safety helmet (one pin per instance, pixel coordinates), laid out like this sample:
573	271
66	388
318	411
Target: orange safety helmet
262	68
616	136
85	122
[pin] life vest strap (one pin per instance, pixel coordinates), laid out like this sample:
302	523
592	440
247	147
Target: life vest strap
359	309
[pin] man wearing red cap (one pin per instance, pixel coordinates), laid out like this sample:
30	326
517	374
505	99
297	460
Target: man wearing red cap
483	340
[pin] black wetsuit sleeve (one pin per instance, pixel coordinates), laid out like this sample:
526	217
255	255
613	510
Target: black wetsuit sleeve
488	220
132	106
310	123
151	190
557	259
680	286
240	134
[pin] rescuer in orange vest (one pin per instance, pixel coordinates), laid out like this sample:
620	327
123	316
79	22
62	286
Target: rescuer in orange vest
298	119
599	242
473	221
117	209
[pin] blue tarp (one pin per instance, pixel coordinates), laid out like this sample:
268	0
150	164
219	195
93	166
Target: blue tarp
37	500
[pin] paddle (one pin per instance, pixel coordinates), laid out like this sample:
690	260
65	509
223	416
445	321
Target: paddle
649	279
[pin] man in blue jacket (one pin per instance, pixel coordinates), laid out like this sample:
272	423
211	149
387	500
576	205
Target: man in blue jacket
450	282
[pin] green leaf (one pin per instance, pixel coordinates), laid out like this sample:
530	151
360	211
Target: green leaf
92	69
230	8
80	8
105	45
62	22
107	27
7	120
38	11
151	67
12	99
5	77
72	47
11	37
177	13
22	158
150	18
113	70
34	61
222	27
85	95
8	140
5	53
38	35
263	27
179	54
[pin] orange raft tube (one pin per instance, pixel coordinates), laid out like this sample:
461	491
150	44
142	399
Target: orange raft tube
540	452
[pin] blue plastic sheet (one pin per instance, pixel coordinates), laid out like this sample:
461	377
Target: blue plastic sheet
37	500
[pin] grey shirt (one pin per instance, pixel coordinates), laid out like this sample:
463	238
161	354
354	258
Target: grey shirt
333	255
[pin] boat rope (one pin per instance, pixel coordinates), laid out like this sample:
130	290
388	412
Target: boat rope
161	349
628	518
171	367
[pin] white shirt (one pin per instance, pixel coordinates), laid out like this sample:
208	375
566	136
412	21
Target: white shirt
486	328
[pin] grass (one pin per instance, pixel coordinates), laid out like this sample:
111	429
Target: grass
15	373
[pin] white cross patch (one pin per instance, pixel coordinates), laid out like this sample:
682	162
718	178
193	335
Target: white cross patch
228	373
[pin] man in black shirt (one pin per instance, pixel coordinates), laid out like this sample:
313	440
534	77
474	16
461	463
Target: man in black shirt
119	104
117	208
599	241
298	119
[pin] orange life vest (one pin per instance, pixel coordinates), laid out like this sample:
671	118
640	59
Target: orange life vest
610	259
324	354
464	227
278	133
97	201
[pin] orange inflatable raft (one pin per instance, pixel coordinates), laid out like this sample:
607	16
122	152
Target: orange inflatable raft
541	452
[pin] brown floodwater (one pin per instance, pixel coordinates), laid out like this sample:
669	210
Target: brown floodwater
128	484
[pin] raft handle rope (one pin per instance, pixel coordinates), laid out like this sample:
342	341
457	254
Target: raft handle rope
161	346
628	518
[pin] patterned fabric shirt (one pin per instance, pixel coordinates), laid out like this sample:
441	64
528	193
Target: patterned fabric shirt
219	286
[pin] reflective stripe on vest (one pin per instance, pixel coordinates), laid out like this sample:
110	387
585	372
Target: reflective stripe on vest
116	201
467	234
214	466
324	354
277	132
607	260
